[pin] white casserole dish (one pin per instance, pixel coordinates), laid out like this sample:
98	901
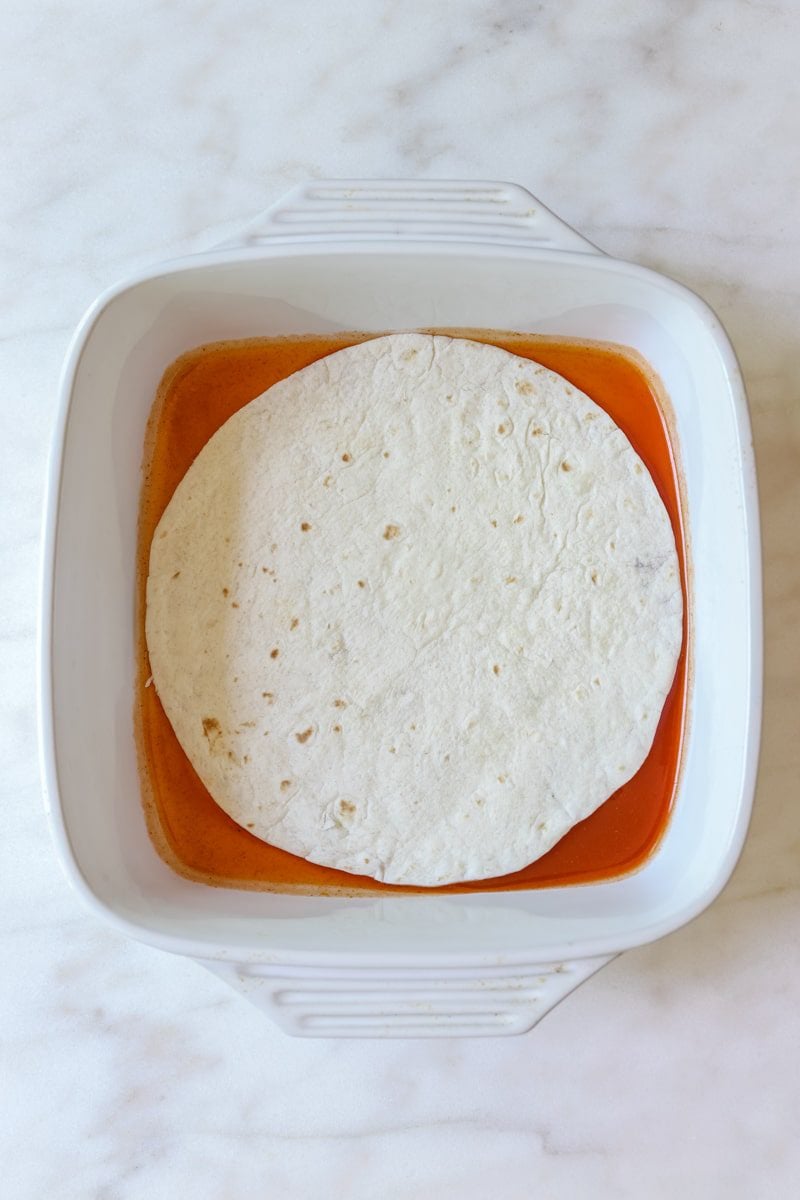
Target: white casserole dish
380	256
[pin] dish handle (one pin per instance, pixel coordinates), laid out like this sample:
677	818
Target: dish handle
393	1002
447	210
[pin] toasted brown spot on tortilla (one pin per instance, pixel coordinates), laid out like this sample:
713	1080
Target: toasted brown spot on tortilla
345	458
496	668
304	525
234	604
519	519
390	532
494	524
536	431
294	623
305	735
511	579
565	466
175	576
268	696
225	592
340	704
211	728
523	387
327	481
274	653
594	576
285	784
386	454
337	729
361	583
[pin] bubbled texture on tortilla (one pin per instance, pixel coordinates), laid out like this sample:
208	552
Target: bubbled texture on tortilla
414	612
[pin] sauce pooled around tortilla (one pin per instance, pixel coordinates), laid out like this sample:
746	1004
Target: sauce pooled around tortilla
191	832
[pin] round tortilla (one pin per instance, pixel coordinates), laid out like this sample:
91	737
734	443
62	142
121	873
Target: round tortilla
413	613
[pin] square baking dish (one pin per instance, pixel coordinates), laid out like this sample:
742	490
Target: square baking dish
382	256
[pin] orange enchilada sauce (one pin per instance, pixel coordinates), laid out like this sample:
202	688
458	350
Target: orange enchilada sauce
197	395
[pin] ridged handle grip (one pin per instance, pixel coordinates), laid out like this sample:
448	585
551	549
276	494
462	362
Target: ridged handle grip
407	1002
448	210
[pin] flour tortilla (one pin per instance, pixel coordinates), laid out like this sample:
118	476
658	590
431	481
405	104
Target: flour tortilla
413	613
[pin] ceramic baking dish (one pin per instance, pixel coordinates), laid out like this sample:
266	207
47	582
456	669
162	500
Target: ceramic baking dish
380	256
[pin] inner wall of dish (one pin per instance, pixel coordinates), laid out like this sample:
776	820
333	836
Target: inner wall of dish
147	326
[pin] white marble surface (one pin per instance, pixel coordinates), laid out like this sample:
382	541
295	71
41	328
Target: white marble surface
667	132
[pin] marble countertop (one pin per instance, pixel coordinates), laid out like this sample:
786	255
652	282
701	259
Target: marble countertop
667	133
